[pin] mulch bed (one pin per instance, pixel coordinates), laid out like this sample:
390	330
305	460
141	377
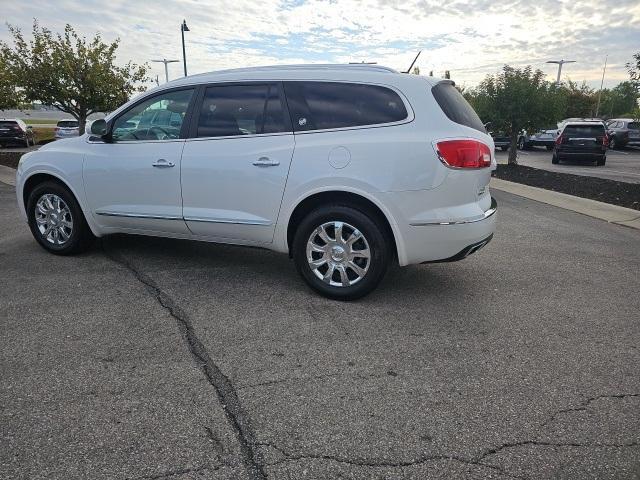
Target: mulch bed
600	189
10	159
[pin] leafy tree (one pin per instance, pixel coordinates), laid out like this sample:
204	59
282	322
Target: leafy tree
580	100
634	71
515	100
620	101
75	75
10	96
416	70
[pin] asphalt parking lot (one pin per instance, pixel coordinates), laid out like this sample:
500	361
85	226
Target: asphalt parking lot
622	165
153	358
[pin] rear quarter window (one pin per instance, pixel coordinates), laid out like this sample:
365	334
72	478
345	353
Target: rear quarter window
455	107
328	105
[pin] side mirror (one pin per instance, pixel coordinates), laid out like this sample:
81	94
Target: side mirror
30	127
99	127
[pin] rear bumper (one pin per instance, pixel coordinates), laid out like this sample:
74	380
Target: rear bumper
449	241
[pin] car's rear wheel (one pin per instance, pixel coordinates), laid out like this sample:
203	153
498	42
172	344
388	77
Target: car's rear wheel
341	252
549	147
613	144
602	161
521	143
554	159
56	219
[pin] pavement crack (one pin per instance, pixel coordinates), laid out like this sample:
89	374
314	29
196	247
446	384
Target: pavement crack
225	390
582	406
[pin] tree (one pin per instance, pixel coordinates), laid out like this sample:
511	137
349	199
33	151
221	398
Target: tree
76	76
515	100
634	71
416	70
10	96
620	101
580	100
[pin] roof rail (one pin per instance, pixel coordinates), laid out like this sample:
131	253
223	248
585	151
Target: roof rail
308	66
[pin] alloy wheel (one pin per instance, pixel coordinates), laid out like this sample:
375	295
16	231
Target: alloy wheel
53	219
338	254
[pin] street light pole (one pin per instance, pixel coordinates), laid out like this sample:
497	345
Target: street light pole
601	84
166	69
560	63
184	28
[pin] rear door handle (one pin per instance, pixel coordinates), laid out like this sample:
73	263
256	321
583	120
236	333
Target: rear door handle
162	163
266	162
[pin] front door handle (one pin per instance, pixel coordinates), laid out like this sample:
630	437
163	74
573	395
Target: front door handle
266	162
162	163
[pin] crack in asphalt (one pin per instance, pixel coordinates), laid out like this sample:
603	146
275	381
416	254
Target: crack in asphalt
223	386
582	406
240	421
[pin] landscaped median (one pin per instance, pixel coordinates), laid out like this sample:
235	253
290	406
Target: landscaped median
602	190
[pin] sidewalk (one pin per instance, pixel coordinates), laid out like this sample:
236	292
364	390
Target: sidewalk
8	175
604	211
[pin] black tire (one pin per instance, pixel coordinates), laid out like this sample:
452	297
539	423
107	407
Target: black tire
613	144
549	148
80	237
504	149
375	235
554	159
27	144
601	162
521	144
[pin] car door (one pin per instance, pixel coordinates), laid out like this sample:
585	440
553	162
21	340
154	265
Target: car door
235	166
133	181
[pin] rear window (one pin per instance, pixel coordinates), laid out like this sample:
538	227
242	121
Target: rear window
325	105
68	124
7	123
586	131
634	126
456	107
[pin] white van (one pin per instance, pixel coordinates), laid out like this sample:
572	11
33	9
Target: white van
343	167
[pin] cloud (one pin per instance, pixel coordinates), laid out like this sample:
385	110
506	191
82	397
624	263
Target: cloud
470	38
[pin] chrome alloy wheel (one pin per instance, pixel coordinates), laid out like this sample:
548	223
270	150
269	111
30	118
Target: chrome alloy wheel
53	219
338	254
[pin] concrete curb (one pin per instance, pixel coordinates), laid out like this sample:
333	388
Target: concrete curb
8	175
604	211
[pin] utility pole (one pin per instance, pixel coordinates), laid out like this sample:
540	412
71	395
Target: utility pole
601	84
560	63
184	28
166	70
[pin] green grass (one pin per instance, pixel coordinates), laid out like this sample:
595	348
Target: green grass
44	134
41	121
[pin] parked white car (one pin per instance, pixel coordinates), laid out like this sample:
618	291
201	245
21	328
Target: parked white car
345	168
66	129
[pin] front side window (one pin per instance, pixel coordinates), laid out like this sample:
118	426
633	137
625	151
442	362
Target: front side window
235	110
157	118
326	105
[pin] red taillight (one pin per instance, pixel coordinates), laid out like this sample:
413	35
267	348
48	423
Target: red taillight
464	153
605	141
559	140
57	129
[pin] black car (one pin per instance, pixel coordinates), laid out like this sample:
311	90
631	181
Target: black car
16	132
500	140
581	141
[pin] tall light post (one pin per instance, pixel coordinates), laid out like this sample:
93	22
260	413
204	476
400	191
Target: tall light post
184	28
601	85
166	69
560	63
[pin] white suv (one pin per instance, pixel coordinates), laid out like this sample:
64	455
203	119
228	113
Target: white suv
342	167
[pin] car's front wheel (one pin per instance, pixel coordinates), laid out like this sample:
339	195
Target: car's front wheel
521	143
613	144
56	219
341	252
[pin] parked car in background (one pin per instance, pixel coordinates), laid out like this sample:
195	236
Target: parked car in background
541	138
343	167
500	140
623	132
66	129
14	131
581	141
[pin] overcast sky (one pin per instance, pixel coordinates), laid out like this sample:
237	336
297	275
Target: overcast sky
470	38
